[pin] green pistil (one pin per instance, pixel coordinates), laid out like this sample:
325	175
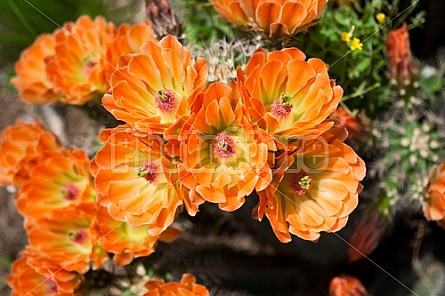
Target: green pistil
223	145
305	182
162	96
143	171
286	101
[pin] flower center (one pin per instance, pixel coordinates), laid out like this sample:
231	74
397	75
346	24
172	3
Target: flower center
301	183
165	100
148	171
282	106
88	67
51	286
78	236
224	146
70	192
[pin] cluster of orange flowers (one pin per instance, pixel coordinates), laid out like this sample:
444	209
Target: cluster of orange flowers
275	18
74	64
276	130
57	198
185	142
68	232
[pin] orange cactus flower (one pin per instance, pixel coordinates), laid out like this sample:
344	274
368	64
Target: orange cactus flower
128	39
231	11
224	154
61	180
357	126
366	234
402	66
20	146
75	63
64	237
26	279
317	191
287	95
75	69
278	18
135	181
125	241
155	88
187	287
32	80
346	285
434	197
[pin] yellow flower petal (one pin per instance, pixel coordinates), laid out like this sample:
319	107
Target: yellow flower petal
356	44
380	17
345	36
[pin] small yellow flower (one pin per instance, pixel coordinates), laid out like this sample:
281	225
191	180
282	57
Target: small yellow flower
380	18
356	44
345	36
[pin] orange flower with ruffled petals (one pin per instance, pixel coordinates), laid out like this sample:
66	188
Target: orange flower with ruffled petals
135	181
26	279
61	180
65	237
187	287
434	197
128	39
287	95
75	63
20	146
278	18
32	80
231	11
346	285
155	88
317	191
125	241
224	155
75	69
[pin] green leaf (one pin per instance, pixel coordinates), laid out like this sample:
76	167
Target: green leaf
432	84
363	64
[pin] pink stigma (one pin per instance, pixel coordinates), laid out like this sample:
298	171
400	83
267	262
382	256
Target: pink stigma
88	67
70	191
282	106
301	183
78	236
224	146
165	100
148	171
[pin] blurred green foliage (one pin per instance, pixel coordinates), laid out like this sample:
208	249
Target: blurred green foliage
201	23
23	20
